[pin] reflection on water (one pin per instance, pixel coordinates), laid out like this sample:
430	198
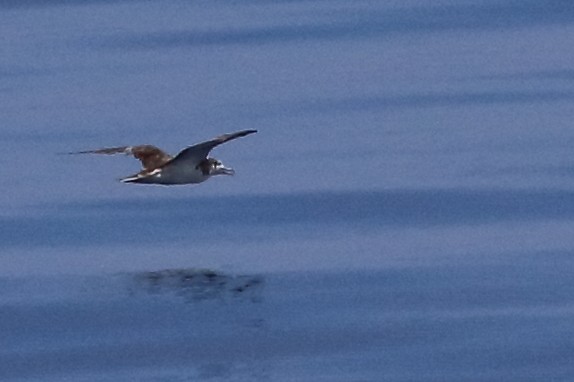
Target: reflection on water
198	284
510	320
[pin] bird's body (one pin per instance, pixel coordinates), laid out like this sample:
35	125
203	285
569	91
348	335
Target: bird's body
190	166
168	175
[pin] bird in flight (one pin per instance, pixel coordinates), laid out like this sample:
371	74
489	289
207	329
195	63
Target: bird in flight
191	165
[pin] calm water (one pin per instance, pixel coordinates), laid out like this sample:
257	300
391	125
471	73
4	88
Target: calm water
405	212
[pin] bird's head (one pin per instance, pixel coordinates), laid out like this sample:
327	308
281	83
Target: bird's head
217	168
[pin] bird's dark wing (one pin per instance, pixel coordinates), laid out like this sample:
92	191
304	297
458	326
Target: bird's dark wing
200	151
150	156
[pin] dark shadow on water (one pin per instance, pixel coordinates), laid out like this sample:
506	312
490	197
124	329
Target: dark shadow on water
366	23
271	217
55	3
9	4
565	74
418	101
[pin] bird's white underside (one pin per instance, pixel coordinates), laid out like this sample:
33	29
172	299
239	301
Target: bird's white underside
170	175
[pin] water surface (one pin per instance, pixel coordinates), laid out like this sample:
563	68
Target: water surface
405	212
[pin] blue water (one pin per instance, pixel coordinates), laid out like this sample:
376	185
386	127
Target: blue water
405	212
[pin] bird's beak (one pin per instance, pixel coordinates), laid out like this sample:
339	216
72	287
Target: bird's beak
226	171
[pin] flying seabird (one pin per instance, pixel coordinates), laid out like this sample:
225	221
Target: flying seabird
191	165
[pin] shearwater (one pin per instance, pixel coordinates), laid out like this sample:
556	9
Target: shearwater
191	165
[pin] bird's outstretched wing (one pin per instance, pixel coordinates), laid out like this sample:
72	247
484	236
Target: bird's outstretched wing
150	156
200	151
